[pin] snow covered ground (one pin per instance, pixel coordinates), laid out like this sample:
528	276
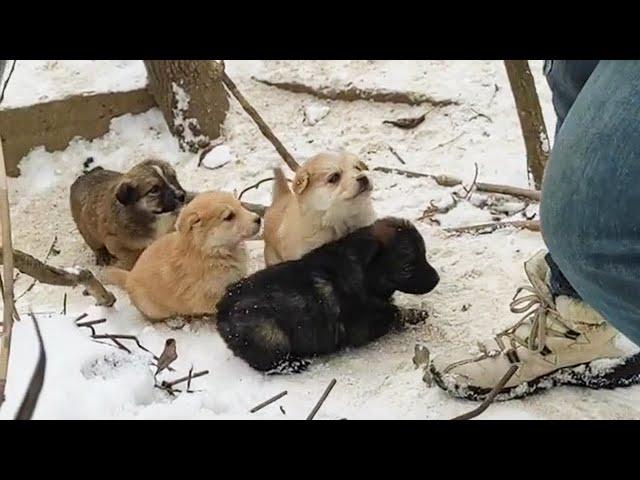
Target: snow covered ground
479	273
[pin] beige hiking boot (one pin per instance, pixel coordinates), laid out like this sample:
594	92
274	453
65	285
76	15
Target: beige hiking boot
555	343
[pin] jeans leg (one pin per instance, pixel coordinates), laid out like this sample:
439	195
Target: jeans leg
566	79
590	209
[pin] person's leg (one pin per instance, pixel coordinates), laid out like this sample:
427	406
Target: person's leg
590	209
591	223
566	79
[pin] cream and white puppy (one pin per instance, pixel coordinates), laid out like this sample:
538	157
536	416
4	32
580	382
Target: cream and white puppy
331	197
187	271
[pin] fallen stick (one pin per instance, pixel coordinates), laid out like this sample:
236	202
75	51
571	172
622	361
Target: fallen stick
108	336
492	395
508	190
351	94
322	399
190	377
66	278
30	400
264	128
450	181
534	226
443	180
268	402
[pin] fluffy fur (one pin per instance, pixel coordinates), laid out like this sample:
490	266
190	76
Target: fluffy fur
335	296
331	197
120	214
187	271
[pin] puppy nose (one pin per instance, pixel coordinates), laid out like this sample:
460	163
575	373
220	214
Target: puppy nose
180	196
364	181
257	220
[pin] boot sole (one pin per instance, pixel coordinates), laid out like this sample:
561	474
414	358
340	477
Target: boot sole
595	375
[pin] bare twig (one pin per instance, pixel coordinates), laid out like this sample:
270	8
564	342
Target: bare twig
189	379
443	180
119	344
534	226
322	399
64	304
109	336
255	185
30	400
264	128
90	324
440	145
473	184
434	209
508	190
479	114
68	278
395	154
352	93
490	397
168	386
268	402
6	82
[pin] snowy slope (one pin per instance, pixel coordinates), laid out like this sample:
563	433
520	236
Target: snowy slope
481	273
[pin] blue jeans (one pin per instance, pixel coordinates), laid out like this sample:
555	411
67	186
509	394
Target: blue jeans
590	208
566	79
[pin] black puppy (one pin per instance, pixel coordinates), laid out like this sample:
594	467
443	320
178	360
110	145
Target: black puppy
335	296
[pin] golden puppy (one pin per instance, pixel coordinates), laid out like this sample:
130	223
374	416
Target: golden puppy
331	197
187	271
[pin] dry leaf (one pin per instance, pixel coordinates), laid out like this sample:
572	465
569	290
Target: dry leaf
406	123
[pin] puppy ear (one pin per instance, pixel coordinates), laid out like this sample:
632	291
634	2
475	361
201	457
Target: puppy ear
385	230
186	221
361	165
127	193
301	182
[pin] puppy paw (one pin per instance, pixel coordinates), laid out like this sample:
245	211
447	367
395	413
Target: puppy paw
413	316
103	257
289	366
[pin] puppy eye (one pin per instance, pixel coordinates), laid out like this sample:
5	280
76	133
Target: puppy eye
230	216
334	178
154	190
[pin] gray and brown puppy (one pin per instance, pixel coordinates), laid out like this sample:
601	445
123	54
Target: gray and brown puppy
120	214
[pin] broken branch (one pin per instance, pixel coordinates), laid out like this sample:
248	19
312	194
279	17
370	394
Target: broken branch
66	278
190	377
508	190
268	402
322	399
534	226
352	93
443	180
264	128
